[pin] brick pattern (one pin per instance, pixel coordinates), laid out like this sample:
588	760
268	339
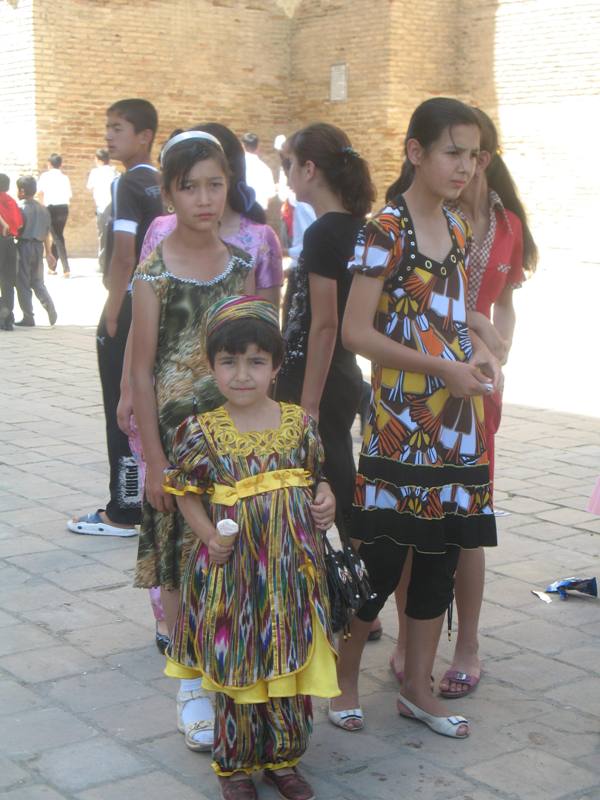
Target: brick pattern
17	89
265	65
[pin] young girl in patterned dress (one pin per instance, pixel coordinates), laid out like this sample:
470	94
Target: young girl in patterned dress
242	225
423	477
172	289
254	621
502	250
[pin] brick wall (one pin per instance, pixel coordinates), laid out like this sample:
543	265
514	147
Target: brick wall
18	140
389	71
265	65
196	60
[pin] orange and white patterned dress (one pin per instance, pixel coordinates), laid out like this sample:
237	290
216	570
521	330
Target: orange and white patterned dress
423	476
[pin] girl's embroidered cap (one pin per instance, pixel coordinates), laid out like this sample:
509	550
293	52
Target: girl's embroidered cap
183	137
240	307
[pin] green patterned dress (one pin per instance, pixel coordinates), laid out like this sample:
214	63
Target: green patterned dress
183	386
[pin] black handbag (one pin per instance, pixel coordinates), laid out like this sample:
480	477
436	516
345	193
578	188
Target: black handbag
347	584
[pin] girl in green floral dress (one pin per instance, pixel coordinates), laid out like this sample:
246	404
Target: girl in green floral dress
188	272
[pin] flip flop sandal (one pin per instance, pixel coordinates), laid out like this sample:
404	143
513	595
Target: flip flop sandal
469	682
94	525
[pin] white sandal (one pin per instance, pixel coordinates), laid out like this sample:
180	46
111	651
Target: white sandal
445	726
199	735
340	718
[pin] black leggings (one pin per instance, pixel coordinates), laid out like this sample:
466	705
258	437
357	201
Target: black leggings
58	218
124	506
431	586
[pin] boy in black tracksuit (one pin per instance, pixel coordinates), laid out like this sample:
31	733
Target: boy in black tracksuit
136	200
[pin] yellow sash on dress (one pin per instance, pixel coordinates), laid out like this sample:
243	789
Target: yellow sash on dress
224	495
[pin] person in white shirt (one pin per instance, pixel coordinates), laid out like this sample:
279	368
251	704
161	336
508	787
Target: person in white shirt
99	182
54	191
258	174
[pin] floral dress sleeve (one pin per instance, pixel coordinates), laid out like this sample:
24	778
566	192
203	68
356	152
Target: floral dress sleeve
312	453
269	271
152	270
380	245
191	470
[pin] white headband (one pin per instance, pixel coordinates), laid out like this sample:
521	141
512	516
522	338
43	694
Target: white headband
183	137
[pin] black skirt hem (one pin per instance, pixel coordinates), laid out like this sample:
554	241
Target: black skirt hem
425	535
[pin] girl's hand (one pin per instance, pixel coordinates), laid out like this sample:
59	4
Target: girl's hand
218	553
487	363
155	494
464	379
323	507
490	366
125	410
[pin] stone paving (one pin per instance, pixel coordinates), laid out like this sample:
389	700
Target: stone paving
85	713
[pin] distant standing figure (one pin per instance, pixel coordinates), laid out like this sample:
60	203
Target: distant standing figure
34	236
11	220
99	183
54	191
258	174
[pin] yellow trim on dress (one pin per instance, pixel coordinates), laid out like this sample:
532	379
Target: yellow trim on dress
224	495
317	676
249	770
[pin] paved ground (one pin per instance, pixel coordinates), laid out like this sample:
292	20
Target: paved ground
85	712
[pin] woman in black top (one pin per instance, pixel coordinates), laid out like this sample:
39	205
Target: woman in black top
318	372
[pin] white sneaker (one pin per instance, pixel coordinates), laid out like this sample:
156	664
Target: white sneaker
199	735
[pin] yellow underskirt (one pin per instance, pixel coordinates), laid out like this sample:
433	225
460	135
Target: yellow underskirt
318	676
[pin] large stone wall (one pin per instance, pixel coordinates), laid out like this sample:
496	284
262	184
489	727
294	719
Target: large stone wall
539	80
266	65
196	60
18	131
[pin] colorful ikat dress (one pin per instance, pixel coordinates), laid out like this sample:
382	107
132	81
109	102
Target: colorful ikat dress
258	627
423	477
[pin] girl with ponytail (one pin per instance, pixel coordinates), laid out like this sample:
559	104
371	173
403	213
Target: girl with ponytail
422	488
318	372
502	248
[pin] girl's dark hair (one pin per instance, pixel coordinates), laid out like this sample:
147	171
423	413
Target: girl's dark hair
500	180
180	159
240	197
237	335
428	122
342	167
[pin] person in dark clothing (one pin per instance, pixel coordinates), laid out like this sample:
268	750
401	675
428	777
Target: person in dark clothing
33	238
318	372
11	221
136	200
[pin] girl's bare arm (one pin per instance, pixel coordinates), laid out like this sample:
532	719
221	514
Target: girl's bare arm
146	315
